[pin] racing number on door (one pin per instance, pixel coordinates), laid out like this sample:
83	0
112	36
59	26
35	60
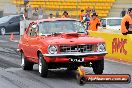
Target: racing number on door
118	46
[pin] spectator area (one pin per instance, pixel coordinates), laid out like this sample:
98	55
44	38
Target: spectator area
102	7
118	6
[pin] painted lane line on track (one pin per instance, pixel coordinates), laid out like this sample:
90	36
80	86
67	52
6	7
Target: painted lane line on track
119	62
3	41
15	41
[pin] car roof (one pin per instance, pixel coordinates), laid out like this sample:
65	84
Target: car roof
13	15
7	17
56	19
112	18
10	16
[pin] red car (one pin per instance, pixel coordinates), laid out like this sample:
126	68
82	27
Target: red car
56	43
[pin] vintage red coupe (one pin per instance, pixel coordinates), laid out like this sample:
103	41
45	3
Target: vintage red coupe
56	43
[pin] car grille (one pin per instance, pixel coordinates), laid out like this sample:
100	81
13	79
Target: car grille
76	48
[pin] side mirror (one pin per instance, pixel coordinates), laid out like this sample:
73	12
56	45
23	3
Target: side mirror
103	25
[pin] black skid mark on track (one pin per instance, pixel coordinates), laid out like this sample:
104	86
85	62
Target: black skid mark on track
17	74
14	82
38	79
6	64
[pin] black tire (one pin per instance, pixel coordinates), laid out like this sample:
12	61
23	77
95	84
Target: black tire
43	70
26	65
98	66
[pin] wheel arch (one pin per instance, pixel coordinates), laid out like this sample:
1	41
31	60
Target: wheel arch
38	52
21	51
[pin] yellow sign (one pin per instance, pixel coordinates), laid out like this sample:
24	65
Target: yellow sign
118	46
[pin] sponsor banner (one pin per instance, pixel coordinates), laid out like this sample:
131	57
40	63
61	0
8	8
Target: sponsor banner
118	46
105	78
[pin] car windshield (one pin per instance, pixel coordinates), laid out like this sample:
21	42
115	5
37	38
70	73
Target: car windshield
61	27
114	22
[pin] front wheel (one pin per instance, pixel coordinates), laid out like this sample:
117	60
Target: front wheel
43	66
2	30
98	66
26	65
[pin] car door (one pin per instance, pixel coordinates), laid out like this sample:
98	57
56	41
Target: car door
13	24
17	24
34	42
26	38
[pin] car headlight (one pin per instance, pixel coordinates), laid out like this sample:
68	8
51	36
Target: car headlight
101	48
52	49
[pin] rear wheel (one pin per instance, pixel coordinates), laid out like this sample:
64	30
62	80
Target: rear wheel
26	65
2	30
98	66
43	66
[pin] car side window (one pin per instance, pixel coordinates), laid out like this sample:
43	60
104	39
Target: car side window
103	21
17	18
12	19
33	30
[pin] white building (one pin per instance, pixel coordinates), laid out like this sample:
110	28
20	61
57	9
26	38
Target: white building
7	7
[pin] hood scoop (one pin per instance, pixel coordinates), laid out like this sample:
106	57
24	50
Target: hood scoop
69	35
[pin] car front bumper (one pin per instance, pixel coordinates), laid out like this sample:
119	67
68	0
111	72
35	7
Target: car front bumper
76	54
65	58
